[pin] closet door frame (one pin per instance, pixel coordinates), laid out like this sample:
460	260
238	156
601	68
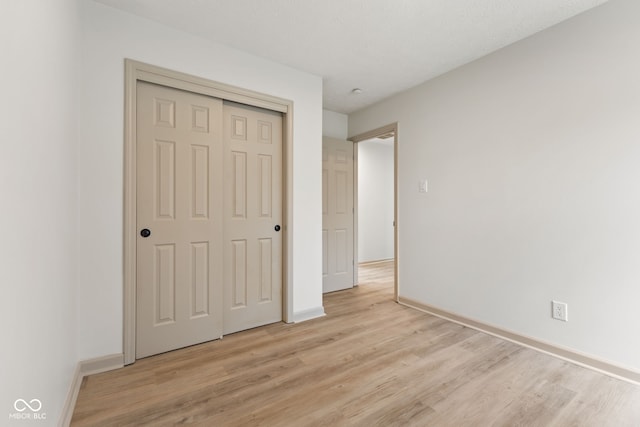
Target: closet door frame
137	71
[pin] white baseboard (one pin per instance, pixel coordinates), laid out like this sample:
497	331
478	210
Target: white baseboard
72	395
304	315
84	368
570	355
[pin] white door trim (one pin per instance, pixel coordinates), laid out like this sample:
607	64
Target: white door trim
375	133
135	71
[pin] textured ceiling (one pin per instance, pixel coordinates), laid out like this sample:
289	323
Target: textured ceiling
380	46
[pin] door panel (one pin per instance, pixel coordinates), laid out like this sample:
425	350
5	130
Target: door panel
337	215
253	209
179	199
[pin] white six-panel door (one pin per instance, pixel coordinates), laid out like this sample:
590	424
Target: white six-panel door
179	200
337	215
209	185
253	217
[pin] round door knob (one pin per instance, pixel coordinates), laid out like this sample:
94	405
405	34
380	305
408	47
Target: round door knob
277	228
145	232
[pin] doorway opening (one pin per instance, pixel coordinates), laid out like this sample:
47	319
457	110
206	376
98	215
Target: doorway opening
375	257
376	207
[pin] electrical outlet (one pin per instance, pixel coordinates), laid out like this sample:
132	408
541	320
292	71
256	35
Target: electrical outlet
559	311
422	186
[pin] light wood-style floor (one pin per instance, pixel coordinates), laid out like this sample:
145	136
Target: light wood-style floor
369	362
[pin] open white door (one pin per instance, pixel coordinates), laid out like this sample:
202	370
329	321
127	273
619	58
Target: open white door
337	215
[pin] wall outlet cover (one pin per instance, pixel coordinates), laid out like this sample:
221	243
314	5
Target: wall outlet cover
559	311
422	186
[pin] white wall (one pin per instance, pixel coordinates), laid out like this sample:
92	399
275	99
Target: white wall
375	200
532	158
109	36
38	219
334	125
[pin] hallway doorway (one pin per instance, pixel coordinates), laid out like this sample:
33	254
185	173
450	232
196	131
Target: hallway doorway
386	133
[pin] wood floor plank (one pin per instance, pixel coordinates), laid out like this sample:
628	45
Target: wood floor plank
368	362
